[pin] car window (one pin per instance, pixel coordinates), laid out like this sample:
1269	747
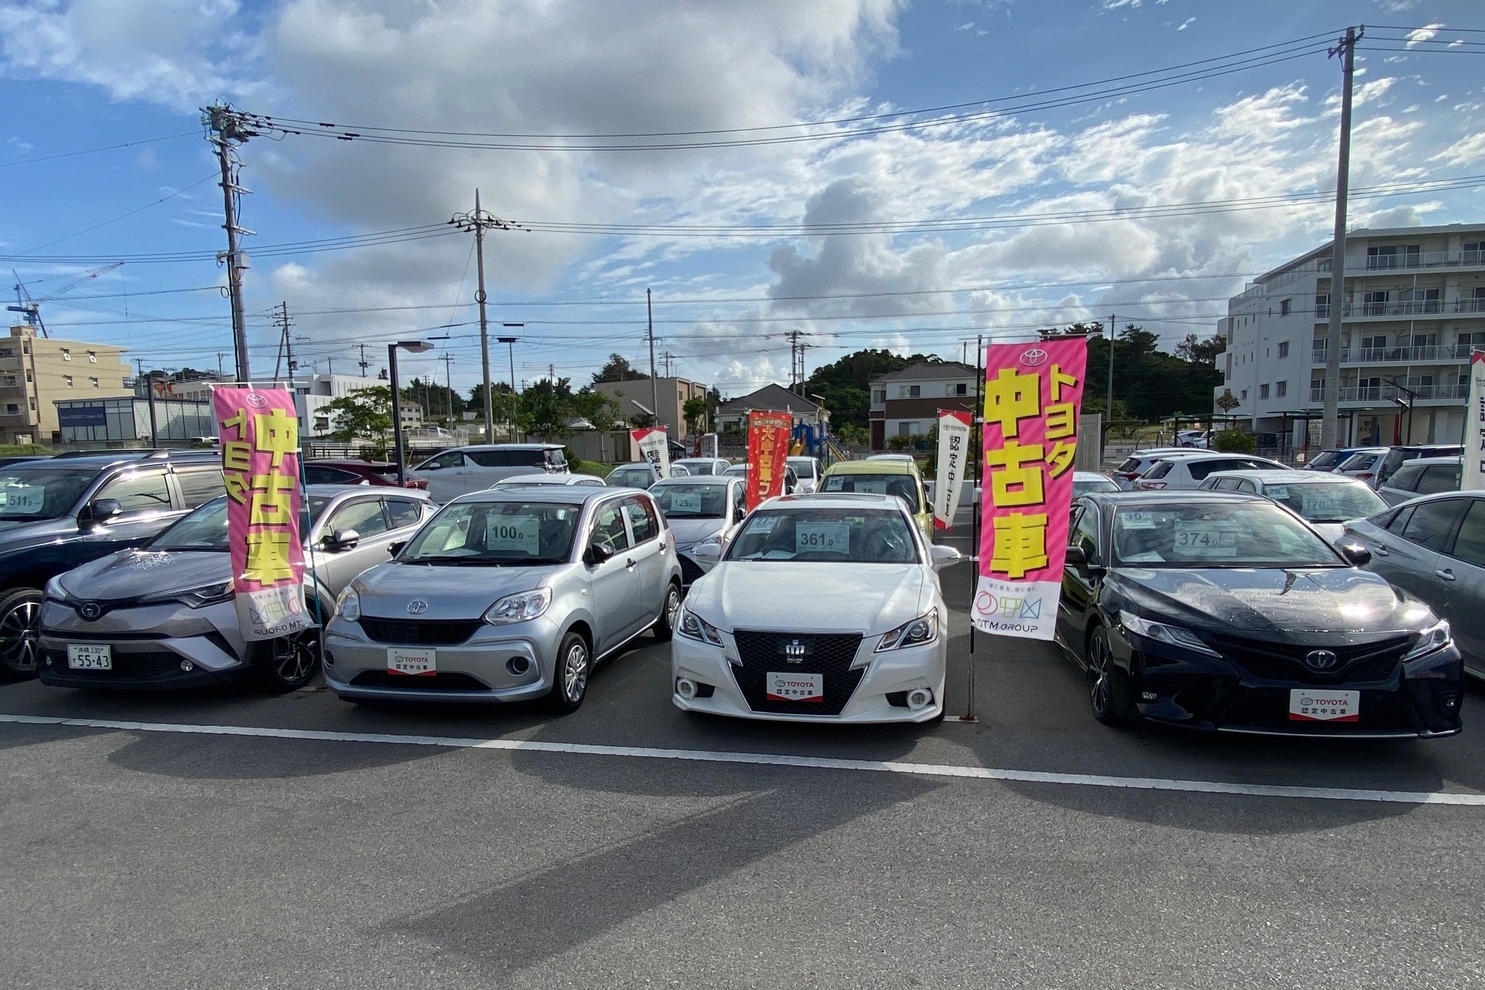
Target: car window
556	458
450	459
403	512
199	485
693	501
1438	478
1432	522
1159	469
1085	534
642	519
806	533
138	491
1200	469
1130	465
1399	521
1469	544
1216	534
495	534
739	501
364	516
318	474
608	528
1244	485
1406	479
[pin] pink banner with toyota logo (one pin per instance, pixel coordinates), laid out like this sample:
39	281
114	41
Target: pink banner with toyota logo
1033	399
259	431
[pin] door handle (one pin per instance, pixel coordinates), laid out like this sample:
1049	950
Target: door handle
1382	551
662	546
629	564
1445	573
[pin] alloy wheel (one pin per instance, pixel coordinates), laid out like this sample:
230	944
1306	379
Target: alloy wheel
575	672
18	635
295	655
1100	684
672	606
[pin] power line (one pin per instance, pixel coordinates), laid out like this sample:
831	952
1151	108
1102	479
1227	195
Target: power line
94	151
122	216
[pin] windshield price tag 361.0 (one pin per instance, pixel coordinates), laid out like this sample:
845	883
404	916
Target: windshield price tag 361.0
830	537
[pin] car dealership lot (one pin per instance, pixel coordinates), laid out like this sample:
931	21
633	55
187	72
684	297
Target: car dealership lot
141	857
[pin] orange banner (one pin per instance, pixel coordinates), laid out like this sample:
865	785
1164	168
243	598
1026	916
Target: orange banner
768	446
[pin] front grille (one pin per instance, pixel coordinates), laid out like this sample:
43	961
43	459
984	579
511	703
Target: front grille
419	632
830	656
1268	708
126	666
1357	663
440	681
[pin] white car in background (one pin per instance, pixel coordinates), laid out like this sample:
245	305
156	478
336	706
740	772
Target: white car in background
1173	472
699	466
1320	498
823	608
522	480
1362	464
808	470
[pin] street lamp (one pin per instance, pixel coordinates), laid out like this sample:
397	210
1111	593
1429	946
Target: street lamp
511	344
412	347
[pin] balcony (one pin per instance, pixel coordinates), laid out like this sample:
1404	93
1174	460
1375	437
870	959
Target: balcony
1408	261
1398	355
1388	393
1405	307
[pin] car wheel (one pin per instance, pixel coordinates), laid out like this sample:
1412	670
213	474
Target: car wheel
665	625
570	679
1108	691
20	619
288	662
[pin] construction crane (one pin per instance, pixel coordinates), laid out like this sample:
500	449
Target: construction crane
30	308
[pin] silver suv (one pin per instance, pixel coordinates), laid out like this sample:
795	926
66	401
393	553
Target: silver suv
507	596
461	470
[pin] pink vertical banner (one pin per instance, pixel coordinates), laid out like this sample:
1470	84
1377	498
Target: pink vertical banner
259	431
1033	402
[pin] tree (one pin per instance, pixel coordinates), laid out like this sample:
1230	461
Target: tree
1192	348
694	412
618	369
1227	402
545	408
599	410
1149	384
363	414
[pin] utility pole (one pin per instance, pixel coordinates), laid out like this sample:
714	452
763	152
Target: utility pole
149	391
1330	421
282	321
448	373
1108	409
220	372
477	222
654	384
228	131
363	362
666	358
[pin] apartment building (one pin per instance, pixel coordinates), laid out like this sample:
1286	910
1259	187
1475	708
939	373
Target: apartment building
906	403
636	396
37	372
1413	310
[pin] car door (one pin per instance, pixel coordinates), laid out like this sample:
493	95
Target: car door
1078	589
651	552
145	505
1408	555
1462	582
336	565
614	582
445	474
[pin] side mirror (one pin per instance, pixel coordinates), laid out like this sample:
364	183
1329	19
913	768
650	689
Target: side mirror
1358	555
101	510
394	549
342	539
942	556
431	467
596	554
707	553
1077	559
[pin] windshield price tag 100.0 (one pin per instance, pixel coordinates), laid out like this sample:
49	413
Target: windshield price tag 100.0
1204	539
813	537
521	534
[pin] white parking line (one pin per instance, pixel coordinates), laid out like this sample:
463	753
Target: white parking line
769	759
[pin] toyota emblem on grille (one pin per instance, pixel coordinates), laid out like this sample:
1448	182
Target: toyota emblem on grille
1320	660
794	650
417	606
89	610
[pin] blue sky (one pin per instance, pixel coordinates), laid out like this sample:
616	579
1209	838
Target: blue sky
85	74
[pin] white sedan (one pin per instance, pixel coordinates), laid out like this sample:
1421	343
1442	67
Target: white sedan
823	608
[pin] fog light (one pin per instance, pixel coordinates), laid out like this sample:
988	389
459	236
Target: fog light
518	665
919	699
329	659
187	666
685	687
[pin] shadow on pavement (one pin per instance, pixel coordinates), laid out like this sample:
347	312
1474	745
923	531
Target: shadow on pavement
194	757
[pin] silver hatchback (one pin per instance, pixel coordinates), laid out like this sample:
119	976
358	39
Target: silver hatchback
507	596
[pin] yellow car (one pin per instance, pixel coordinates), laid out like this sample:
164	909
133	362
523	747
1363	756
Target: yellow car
883	477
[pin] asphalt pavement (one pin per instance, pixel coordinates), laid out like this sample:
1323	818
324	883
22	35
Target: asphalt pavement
228	839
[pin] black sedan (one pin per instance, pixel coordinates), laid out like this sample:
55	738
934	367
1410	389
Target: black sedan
1224	611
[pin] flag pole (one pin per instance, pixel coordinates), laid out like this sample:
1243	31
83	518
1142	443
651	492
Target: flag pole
976	512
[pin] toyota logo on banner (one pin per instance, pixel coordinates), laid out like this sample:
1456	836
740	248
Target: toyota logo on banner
1034	357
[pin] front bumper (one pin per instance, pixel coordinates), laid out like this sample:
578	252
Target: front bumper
879	696
154	647
478	670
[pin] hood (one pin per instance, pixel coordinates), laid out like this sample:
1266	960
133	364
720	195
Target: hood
820	597
688	531
1272	603
132	573
450	592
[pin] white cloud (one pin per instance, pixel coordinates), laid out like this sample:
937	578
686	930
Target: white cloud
1419	35
1186	23
1465	151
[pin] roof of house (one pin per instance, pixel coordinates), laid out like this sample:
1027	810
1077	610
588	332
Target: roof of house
923	371
769	397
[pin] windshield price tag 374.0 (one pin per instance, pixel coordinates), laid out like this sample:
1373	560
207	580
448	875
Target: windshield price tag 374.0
1204	539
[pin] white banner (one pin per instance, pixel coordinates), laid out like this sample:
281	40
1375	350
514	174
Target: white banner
1472	476
654	446
953	457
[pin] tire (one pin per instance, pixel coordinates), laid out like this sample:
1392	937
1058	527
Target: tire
570	678
289	662
1108	689
669	613
20	624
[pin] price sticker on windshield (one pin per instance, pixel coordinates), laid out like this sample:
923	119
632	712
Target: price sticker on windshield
22	498
515	534
1318	506
1204	539
685	502
876	486
817	537
1137	520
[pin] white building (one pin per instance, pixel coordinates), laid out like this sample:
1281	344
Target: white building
312	395
1414	309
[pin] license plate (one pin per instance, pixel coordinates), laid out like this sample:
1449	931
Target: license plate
1316	705
796	687
415	663
89	657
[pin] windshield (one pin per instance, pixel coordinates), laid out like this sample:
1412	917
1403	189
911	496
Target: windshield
629	478
901	485
1217	534
41	493
842	536
691	501
1327	501
803	466
206	527
1328	460
695	467
737	470
494	534
1081	487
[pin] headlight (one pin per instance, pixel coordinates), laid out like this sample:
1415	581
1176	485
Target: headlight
55	590
695	627
1162	633
1433	638
923	629
208	594
519	608
348	605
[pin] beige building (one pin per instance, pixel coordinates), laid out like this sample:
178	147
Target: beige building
635	397
36	372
